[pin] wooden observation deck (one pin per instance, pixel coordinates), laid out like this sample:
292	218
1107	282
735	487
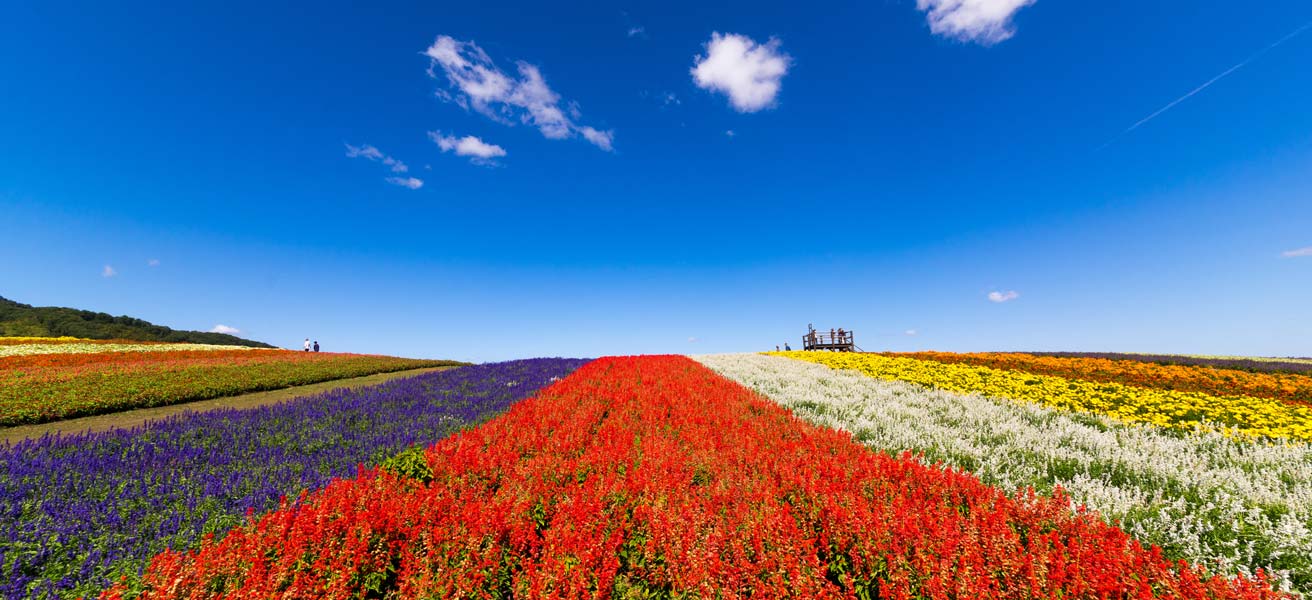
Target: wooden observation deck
839	340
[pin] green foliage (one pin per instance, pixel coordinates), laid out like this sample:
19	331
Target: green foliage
409	463
17	319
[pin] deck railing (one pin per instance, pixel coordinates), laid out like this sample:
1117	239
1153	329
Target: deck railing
823	340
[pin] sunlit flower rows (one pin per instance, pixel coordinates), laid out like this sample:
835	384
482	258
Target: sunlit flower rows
78	513
1235	504
37	346
1290	387
1235	415
45	387
652	477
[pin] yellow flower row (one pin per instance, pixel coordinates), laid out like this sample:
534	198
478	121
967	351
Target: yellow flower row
17	340
1166	408
91	347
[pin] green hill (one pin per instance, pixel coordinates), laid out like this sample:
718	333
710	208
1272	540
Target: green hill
18	319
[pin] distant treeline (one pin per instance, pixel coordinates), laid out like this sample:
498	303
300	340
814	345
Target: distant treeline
17	319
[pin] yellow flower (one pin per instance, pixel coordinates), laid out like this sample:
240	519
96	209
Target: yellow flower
1233	415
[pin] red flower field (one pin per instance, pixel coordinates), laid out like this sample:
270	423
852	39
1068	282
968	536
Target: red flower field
654	477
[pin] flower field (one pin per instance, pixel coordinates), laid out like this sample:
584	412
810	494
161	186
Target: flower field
1243	363
31	346
1231	414
1197	378
84	511
800	475
44	386
1233	504
653	477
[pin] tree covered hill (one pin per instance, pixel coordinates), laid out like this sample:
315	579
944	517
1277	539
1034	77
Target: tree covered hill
17	319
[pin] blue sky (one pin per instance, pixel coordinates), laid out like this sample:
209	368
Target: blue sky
666	177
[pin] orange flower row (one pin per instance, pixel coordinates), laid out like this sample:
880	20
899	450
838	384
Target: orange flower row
1287	387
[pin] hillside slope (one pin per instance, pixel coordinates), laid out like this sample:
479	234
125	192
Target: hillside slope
17	319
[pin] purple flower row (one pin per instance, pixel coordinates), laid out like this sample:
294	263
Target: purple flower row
79	512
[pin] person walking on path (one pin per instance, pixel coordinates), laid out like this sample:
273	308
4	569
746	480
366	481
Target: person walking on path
316	345
307	344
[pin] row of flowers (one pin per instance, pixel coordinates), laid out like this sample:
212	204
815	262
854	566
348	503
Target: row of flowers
1235	415
1216	382
1233	504
653	477
36	346
24	339
1243	363
39	388
79	513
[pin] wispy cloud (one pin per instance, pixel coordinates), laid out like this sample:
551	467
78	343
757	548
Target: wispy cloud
984	22
748	72
108	271
376	155
406	182
1297	252
154	262
478	151
225	329
1000	297
1206	84
477	84
637	31
911	333
692	340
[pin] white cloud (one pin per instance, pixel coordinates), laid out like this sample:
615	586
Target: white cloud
637	31
748	72
730	133
154	262
600	139
1001	297
477	150
376	155
478	84
984	22
1297	252
225	329
108	271
406	182
912	332
692	340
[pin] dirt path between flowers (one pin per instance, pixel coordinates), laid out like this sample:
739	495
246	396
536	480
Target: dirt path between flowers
140	416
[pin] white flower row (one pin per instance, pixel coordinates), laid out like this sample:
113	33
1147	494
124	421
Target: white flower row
1233	505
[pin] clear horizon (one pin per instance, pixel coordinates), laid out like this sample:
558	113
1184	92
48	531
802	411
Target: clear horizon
484	183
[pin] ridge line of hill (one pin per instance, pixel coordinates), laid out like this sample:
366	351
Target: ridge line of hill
18	319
